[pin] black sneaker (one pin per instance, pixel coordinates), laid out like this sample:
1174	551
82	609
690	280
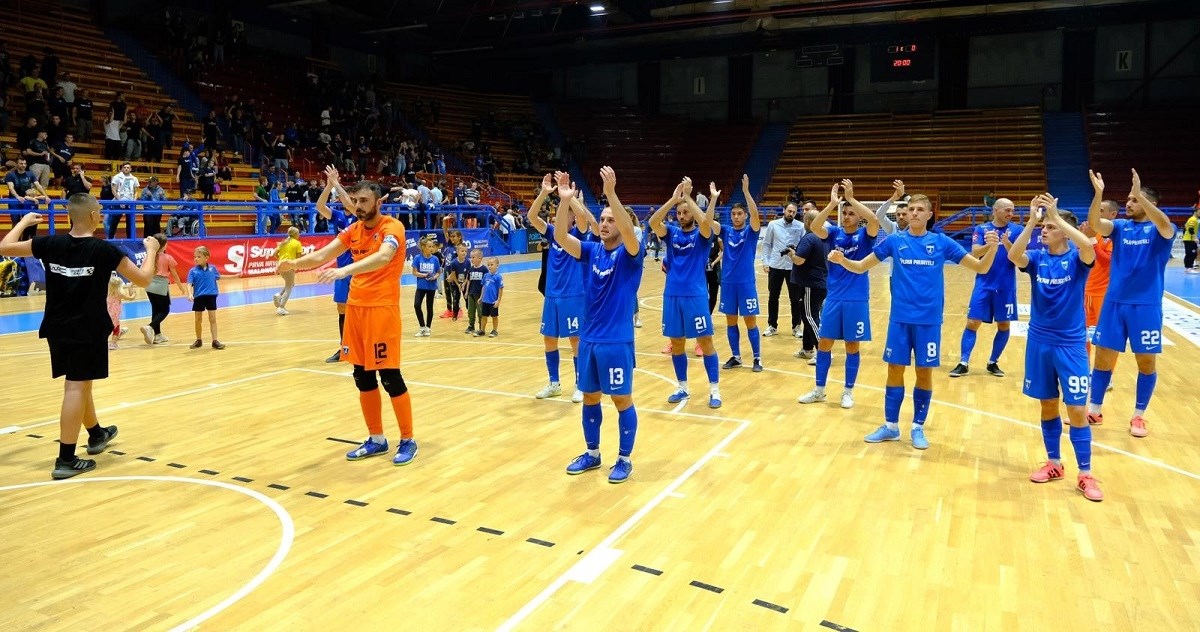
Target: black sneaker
994	369
67	469
732	363
197	344
337	355
218	345
959	370
757	368
469	330
96	447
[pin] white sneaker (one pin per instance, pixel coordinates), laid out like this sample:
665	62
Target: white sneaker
275	299
847	399
797	332
420	333
281	311
551	390
771	331
428	332
577	396
147	334
812	397
637	322
812	361
121	334
160	339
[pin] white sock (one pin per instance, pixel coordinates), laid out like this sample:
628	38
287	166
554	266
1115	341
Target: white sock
893	426
848	391
683	386
819	390
1138	412
379	438
623	458
595	453
1093	408
555	384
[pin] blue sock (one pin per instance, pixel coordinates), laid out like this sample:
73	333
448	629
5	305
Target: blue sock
998	344
921	399
752	334
734	336
627	422
824	358
592	416
575	363
851	369
1081	440
552	365
712	367
1100	380
1052	437
893	397
680	362
1145	389
968	345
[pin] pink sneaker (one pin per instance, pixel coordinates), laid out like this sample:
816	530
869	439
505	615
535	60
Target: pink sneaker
699	351
1137	427
667	349
1090	488
1095	419
1048	472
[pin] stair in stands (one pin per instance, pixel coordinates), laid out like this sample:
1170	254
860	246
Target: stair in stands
554	136
1066	160
763	158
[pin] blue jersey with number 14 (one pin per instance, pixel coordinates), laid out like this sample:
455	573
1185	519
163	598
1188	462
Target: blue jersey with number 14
563	274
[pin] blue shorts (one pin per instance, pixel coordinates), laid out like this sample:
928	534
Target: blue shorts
341	291
1141	325
1049	366
993	305
846	320
606	367
562	317
739	299
686	317
905	340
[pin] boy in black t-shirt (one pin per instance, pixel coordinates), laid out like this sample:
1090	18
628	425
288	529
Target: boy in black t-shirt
474	289
76	324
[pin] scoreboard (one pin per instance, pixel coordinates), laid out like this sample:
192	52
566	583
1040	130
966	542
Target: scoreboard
904	60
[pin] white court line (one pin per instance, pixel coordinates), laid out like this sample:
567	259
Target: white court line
286	538
122	406
1116	450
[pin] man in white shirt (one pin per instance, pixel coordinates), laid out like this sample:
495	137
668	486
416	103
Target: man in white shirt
124	188
69	87
778	235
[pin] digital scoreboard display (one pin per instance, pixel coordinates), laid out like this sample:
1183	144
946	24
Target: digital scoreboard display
909	60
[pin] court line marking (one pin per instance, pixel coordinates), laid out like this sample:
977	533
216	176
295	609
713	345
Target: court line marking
122	406
286	539
1113	449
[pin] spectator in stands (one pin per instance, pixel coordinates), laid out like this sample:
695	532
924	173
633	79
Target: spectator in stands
152	220
211	130
296	195
57	105
989	198
30	83
152	138
27	133
83	116
23	187
124	188
281	153
37	155
60	156
56	130
459	193
49	72
472	194
796	195
185	171
167	117
5	68
131	137
207	172
67	83
76	182
3	105
118	106
36	106
112	136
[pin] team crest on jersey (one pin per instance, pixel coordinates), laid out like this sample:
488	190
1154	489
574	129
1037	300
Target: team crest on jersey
1146	230
1064	264
929	248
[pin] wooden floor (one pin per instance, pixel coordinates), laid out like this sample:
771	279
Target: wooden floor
227	495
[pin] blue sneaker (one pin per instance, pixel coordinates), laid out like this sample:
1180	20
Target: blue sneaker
918	438
368	448
620	471
714	401
678	396
882	434
583	463
406	451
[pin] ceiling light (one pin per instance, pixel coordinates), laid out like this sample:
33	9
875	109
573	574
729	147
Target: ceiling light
597	8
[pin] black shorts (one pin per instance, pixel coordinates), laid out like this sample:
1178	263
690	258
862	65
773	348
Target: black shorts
488	309
208	302
78	360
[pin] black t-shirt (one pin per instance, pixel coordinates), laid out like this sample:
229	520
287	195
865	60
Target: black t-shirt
168	120
813	273
475	280
83	108
185	169
77	273
39	146
297	193
281	150
73	184
118	108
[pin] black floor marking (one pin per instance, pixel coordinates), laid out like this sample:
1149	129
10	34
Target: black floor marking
647	569
278	486
401	512
178	466
209	472
33	436
540	542
443	520
356	503
769	606
708	587
243	479
491	531
147	459
351	442
316	494
116	452
835	626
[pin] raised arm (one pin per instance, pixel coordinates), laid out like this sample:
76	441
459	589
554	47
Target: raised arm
582	213
818	224
702	218
1087	250
1160	220
331	184
656	220
533	216
711	211
566	191
1016	251
141	276
1103	227
12	246
860	209
751	205
857	266
620	217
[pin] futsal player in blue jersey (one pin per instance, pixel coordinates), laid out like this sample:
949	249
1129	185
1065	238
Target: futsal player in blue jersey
1055	354
915	318
562	309
846	314
339	220
685	294
739	292
1132	309
994	297
611	273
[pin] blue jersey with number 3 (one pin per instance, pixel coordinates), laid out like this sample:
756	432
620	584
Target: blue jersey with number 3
843	284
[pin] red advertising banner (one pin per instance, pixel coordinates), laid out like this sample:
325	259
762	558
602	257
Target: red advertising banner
243	257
